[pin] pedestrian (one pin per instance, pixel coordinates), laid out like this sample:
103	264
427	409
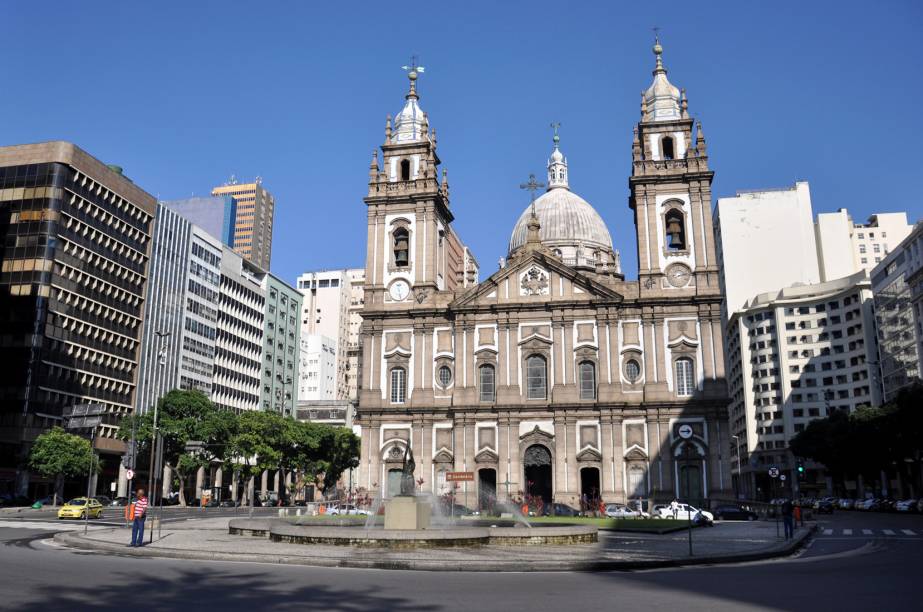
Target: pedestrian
788	519
674	508
138	512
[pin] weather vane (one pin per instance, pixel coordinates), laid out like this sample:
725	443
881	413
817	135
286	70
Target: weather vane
413	68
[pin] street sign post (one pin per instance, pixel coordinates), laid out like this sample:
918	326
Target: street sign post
129	474
685	431
782	477
773	472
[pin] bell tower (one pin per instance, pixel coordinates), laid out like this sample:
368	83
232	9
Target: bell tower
408	253
670	187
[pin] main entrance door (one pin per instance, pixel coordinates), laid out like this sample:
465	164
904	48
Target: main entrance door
537	463
589	488
690	483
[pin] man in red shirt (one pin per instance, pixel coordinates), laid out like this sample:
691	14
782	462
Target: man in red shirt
137	523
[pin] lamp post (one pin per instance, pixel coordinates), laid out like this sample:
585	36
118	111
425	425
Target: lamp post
737	452
162	361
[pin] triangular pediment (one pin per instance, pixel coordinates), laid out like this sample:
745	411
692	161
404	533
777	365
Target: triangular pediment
589	454
443	455
487	292
487	455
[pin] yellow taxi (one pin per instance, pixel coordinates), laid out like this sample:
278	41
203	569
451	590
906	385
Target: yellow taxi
78	508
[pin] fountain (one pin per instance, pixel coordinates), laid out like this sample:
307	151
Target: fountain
407	511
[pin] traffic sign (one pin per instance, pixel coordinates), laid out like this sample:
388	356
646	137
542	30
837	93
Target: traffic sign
782	477
459	476
129	474
685	431
774	472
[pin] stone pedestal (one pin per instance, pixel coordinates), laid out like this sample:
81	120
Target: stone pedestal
406	512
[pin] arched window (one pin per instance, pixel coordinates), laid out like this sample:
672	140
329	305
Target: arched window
401	247
405	169
486	383
536	377
666	145
445	376
685	383
675	230
587	380
398	385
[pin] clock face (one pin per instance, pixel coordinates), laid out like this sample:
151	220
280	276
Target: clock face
399	290
678	275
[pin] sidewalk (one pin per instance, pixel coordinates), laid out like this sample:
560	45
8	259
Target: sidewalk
208	539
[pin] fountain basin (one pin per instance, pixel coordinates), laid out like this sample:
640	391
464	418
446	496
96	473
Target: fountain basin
456	536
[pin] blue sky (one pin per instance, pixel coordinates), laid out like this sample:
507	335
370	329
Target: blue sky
185	94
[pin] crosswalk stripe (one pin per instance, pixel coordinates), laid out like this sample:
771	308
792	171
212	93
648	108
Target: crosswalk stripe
866	532
847	532
909	532
888	532
828	532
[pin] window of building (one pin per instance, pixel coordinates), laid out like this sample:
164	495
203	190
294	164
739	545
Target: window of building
587	380
401	247
445	376
684	377
632	370
486	382
398	385
862	248
405	170
536	377
666	145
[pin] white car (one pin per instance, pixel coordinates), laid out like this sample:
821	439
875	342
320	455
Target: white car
347	509
621	511
684	512
906	505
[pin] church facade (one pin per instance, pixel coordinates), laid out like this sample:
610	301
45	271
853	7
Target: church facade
555	377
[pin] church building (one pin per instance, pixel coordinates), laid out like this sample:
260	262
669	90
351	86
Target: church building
555	377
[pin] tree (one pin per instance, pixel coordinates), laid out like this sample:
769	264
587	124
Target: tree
256	443
184	415
59	455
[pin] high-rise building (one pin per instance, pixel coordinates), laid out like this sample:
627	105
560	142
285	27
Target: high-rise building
795	355
253	220
216	215
281	345
73	273
844	247
317	372
900	334
353	352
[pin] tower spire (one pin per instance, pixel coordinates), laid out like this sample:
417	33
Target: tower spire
557	163
413	71
661	101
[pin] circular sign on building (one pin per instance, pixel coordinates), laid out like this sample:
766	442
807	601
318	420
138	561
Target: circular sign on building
685	431
129	474
774	472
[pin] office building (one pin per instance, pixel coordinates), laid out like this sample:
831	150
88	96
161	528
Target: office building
216	215
844	247
353	347
253	220
281	345
73	273
897	315
795	355
318	368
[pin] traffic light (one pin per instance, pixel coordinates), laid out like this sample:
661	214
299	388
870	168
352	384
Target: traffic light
800	470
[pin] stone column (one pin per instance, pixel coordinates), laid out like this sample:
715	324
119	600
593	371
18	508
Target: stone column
122	490
235	477
219	477
264	483
560	436
167	484
607	469
251	483
199	481
503	455
275	481
426	456
515	465
618	453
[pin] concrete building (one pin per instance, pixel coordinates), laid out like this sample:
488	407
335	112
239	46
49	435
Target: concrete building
331	309
795	355
331	412
353	352
73	277
318	368
253	220
752	225
554	374
899	331
182	305
844	247
216	215
281	345
239	346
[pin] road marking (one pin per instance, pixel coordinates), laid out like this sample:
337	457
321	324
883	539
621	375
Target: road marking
828	532
847	532
61	526
908	532
866	532
888	532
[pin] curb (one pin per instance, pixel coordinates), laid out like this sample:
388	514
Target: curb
78	541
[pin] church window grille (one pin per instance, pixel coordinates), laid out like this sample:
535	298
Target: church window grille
684	377
445	376
666	145
405	170
401	247
536	377
398	385
487	380
587	380
632	370
675	230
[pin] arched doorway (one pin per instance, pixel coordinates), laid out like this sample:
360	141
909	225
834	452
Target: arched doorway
487	490
589	489
536	462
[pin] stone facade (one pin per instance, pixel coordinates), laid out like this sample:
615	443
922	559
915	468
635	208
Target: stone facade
553	377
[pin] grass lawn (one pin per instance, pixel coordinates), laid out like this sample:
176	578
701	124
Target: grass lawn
610	524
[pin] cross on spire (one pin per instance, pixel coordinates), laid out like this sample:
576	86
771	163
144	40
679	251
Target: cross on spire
555	125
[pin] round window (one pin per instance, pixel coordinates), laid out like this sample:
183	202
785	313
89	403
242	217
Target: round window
445	376
632	370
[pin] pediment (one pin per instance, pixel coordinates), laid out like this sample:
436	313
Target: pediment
443	455
487	455
635	452
518	268
589	454
537	435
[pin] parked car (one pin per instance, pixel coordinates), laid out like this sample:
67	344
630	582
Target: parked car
846	503
621	511
557	509
346	509
686	512
229	503
79	507
868	504
122	501
735	512
823	506
906	505
105	500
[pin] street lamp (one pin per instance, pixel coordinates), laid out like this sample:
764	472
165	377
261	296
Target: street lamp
162	361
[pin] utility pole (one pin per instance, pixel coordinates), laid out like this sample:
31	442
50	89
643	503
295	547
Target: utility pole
162	359
739	473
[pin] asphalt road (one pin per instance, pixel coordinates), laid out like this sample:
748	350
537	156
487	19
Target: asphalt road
839	571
